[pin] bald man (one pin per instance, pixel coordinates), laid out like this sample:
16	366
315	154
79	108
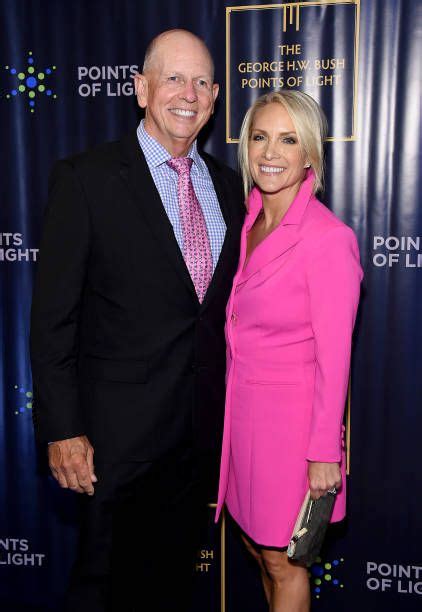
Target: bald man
140	244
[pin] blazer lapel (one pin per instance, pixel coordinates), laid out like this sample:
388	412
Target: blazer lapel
283	238
136	174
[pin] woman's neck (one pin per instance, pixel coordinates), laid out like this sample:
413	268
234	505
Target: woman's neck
275	205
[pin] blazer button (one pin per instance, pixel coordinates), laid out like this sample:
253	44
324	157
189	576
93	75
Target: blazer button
234	317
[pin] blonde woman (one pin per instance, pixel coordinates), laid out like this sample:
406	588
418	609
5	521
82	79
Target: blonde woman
291	314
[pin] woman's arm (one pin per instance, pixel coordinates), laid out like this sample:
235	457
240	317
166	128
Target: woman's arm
333	274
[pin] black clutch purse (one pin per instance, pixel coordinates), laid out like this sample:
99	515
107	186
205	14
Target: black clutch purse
311	525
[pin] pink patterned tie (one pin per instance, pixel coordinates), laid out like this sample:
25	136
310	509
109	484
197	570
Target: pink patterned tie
196	242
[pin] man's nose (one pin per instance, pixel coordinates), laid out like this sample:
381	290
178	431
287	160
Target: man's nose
189	92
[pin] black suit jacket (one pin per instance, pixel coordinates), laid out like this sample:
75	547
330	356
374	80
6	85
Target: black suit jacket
121	349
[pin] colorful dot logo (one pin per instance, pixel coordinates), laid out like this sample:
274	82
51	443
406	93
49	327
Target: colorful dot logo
25	400
31	83
322	574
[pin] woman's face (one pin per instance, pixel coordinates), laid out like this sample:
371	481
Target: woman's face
276	161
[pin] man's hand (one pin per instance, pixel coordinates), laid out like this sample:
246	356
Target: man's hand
72	464
322	477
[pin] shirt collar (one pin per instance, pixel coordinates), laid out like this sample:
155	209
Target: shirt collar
156	154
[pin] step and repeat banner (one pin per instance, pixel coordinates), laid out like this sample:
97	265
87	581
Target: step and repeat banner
66	84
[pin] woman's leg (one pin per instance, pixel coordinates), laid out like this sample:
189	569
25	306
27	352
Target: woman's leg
290	590
256	554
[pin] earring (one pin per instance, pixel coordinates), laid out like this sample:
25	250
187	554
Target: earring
307	166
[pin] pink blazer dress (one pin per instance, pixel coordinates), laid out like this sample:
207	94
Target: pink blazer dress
290	318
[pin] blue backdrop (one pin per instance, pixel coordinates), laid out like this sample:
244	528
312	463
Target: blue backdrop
65	84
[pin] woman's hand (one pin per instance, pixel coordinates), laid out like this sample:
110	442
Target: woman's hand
322	477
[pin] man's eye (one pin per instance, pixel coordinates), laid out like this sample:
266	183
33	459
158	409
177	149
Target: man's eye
174	78
202	83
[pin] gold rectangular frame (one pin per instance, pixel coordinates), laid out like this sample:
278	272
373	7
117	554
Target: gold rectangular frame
290	5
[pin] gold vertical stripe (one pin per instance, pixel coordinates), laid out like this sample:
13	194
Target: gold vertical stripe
284	17
355	84
291	14
297	18
223	562
228	10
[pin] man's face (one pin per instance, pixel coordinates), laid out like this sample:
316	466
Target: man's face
178	92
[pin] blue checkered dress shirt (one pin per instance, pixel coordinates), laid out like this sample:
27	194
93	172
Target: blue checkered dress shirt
165	180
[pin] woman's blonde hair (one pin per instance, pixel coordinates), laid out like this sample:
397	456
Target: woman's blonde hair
310	125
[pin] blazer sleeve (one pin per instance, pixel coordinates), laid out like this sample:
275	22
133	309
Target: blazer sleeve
56	304
333	275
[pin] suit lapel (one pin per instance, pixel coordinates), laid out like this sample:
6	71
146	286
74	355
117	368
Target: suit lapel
136	174
226	206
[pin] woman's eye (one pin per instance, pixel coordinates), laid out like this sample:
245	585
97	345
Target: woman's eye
257	137
289	140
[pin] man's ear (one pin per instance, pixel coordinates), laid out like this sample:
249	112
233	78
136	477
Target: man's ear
215	90
141	89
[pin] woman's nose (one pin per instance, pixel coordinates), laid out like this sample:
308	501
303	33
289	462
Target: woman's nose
271	151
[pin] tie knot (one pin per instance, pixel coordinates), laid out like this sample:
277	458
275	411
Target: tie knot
181	165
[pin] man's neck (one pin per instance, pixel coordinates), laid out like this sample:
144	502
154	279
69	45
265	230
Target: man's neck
175	147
